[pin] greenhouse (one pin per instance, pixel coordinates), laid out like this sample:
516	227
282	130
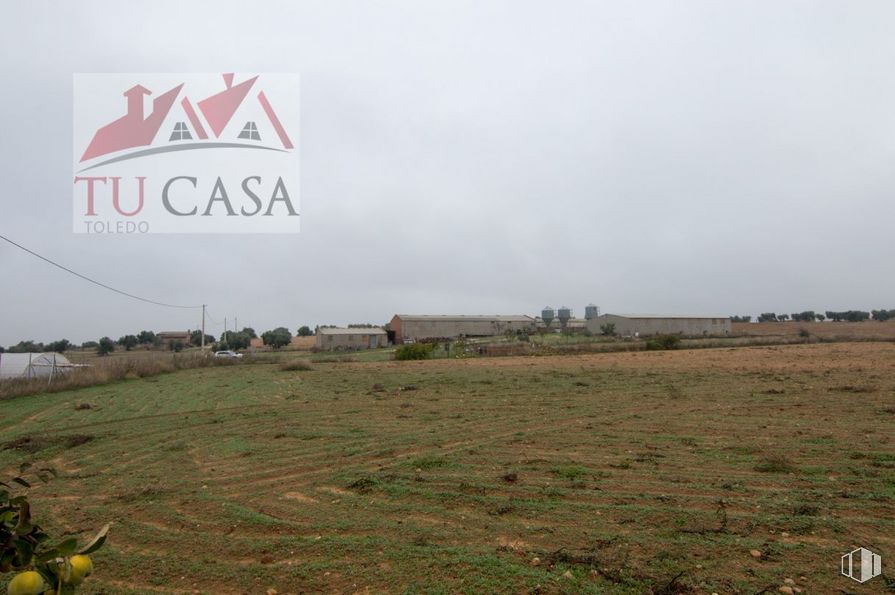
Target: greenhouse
33	365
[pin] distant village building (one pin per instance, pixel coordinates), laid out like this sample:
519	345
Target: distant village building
406	327
330	339
629	325
167	337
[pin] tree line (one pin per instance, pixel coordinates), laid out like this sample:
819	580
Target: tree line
812	316
229	340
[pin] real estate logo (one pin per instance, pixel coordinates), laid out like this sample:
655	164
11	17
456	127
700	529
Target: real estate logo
861	565
186	153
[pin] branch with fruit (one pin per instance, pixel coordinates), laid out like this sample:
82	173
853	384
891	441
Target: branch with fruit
43	569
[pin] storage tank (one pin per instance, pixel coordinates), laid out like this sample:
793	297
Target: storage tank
547	315
564	314
591	311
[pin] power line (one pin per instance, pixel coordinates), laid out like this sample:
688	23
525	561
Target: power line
210	317
103	285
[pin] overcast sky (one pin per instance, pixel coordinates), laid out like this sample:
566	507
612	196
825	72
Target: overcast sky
481	157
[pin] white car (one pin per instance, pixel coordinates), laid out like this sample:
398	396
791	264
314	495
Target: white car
230	354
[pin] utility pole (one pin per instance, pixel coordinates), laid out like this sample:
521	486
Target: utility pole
203	328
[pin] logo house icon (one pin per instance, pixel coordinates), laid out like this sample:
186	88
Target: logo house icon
185	153
861	565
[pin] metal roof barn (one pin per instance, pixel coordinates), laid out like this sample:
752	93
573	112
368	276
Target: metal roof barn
414	327
627	325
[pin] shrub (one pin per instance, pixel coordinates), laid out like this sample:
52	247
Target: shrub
608	329
414	351
296	365
662	342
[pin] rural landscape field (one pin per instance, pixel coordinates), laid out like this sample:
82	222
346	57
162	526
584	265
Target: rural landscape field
691	471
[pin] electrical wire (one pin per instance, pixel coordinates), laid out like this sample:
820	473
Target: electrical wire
85	278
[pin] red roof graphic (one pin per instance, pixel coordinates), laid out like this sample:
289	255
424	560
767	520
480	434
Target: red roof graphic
133	130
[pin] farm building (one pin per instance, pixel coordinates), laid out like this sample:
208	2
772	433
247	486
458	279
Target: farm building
628	325
330	339
33	365
404	327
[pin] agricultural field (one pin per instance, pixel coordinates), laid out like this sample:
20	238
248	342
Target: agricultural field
690	471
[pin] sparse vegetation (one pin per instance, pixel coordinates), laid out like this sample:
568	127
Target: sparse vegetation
661	342
296	365
414	351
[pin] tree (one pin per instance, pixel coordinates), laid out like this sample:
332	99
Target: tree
2	349
608	329
105	346
147	338
883	315
28	346
196	339
767	317
128	342
89	345
59	346
783	317
741	318
233	340
278	337
305	331
250	332
848	316
806	316
176	346
820	317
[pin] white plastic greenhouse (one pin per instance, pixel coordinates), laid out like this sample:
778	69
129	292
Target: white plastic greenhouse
33	365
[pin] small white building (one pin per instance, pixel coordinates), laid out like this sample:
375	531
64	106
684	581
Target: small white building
331	339
629	325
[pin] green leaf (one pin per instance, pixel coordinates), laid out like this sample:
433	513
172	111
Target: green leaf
67	547
24	551
24	525
47	555
48	575
98	540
